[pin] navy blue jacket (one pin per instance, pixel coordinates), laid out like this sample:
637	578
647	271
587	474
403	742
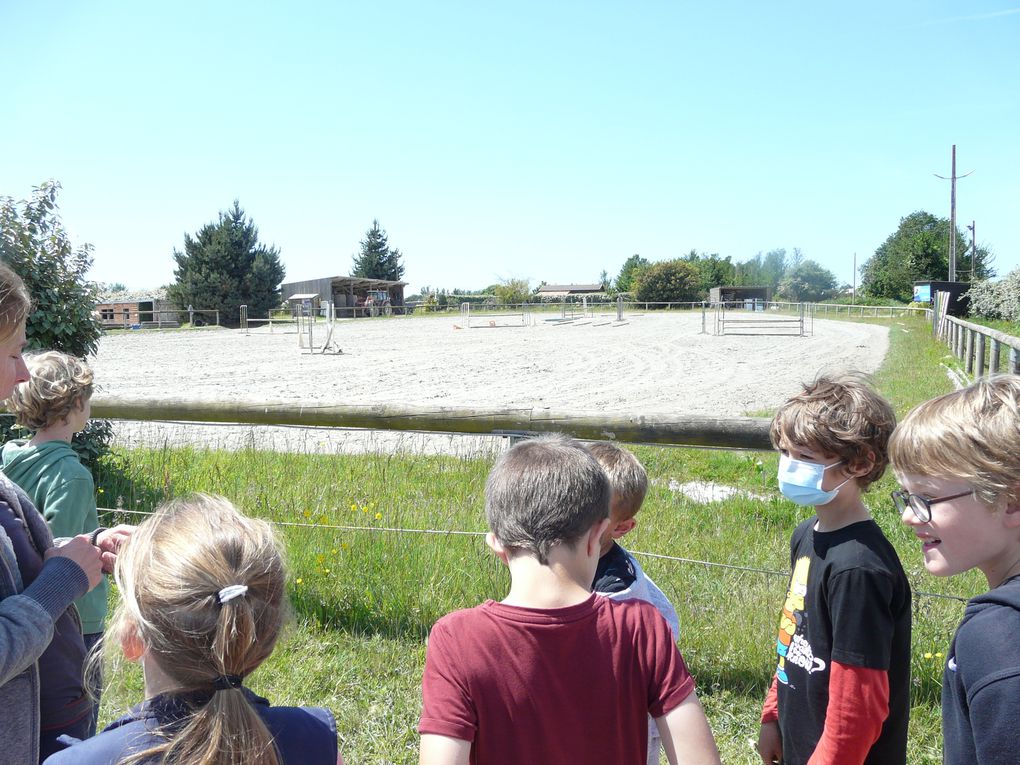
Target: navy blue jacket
981	681
305	735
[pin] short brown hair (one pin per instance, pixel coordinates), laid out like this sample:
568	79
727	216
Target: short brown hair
15	302
628	481
843	416
971	434
545	491
58	385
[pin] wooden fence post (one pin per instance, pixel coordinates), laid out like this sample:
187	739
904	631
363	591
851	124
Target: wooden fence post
979	362
993	361
1014	361
968	360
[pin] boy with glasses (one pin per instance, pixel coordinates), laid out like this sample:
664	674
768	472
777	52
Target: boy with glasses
840	693
958	459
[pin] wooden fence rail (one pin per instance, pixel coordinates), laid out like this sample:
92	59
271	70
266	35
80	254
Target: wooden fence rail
978	347
714	432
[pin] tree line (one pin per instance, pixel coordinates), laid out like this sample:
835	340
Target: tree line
224	264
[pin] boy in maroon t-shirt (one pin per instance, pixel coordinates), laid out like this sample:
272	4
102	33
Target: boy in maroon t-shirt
554	673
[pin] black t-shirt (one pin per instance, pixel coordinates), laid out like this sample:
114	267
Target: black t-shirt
848	601
615	571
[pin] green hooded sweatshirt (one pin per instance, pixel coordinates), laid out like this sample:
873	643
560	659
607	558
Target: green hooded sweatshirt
62	489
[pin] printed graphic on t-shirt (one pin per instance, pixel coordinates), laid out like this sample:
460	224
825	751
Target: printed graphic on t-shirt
791	646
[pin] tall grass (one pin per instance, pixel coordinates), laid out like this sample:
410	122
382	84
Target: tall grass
366	588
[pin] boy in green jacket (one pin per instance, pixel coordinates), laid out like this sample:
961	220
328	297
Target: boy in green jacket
55	403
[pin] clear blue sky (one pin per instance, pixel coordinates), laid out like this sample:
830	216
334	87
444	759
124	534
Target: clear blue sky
541	140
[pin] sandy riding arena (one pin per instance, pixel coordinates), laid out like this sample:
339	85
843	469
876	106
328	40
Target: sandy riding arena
653	363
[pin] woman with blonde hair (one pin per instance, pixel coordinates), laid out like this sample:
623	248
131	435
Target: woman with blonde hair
202	605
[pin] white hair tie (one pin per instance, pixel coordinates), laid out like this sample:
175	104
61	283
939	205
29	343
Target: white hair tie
232	591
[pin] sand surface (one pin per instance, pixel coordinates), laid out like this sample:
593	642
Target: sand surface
652	363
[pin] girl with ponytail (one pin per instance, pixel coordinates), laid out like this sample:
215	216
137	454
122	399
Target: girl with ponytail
202	604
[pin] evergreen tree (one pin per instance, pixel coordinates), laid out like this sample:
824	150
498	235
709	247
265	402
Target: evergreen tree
376	260
223	266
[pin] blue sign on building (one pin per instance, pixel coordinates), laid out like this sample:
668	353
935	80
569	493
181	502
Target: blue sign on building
922	293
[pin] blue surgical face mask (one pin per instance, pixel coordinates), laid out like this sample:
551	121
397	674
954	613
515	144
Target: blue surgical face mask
801	482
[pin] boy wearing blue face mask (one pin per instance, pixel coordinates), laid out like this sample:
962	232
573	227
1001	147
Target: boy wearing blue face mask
840	693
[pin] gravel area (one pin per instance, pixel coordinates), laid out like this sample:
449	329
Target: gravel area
650	363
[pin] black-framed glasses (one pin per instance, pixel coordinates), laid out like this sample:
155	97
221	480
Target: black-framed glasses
921	506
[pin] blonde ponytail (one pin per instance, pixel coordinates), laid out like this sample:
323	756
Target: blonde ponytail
203	588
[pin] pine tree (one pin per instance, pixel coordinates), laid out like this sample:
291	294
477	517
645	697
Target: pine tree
376	260
223	266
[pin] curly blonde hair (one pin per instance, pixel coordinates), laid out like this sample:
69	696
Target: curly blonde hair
843	416
59	385
971	434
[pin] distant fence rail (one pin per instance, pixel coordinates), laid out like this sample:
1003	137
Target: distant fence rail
714	432
978	347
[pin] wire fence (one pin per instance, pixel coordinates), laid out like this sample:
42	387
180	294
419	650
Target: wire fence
454	532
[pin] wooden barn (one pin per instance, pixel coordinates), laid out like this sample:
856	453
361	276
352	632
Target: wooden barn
718	295
352	296
136	309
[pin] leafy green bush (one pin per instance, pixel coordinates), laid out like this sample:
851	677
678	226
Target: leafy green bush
34	243
997	300
513	292
670	281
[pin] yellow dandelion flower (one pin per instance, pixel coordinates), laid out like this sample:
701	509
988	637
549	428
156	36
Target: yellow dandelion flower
364	509
344	545
326	570
306	514
299	580
928	655
378	516
333	551
354	508
938	655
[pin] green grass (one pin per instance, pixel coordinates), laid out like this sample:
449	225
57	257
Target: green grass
364	597
1008	327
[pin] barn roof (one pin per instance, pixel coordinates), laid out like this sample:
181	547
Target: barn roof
568	288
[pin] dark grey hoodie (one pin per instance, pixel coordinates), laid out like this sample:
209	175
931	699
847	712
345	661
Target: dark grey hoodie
981	682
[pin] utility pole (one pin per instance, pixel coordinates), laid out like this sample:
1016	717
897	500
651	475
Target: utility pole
853	295
952	223
952	217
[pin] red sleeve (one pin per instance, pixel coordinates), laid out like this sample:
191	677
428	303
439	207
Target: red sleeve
858	705
447	708
672	682
770	709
